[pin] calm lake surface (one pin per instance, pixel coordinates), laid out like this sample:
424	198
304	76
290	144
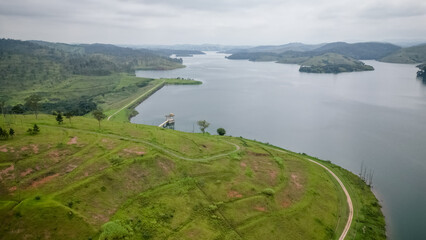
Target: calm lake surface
378	118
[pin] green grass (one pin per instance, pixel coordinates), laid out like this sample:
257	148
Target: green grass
77	181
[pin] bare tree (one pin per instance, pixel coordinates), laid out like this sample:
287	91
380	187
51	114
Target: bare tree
203	125
98	115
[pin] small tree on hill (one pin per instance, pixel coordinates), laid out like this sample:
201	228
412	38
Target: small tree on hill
203	125
3	133
59	118
32	102
11	132
18	109
98	115
221	131
3	106
69	115
33	131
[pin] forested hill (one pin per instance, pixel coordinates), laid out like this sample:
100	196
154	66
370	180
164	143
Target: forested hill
360	51
332	57
24	63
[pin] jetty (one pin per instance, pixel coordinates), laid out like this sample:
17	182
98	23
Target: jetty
169	123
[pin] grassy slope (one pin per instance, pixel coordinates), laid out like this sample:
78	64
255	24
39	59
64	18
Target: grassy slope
416	54
71	179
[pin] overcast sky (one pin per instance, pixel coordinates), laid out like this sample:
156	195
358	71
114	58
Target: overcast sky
236	22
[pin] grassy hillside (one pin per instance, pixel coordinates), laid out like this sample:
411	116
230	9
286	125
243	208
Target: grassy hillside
416	54
75	181
74	78
333	63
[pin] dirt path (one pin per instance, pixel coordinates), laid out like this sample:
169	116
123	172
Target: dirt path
348	197
158	147
134	100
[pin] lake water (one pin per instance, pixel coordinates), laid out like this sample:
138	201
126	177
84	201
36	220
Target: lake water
377	118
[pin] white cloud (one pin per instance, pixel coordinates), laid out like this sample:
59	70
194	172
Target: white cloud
212	21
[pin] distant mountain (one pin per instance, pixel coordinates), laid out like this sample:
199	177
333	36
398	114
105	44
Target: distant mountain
298	47
194	47
361	51
297	53
416	54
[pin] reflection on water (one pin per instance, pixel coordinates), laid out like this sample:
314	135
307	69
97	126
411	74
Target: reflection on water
378	118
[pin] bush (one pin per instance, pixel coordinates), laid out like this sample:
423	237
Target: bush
115	230
4	133
268	191
33	131
221	131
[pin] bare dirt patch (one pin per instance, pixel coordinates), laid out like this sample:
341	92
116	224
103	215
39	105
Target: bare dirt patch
260	208
72	140
70	167
133	151
26	172
44	180
234	194
294	190
108	143
3	149
12	189
57	155
34	147
5	172
166	166
295	181
243	164
273	174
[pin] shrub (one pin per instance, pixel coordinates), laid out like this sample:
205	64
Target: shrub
115	230
268	191
33	131
221	131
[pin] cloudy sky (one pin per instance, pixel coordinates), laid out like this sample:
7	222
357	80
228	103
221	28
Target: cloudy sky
236	22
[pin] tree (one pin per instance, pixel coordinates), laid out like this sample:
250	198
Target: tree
32	102
3	133
69	115
221	131
2	106
99	115
203	125
59	118
18	109
34	130
11	132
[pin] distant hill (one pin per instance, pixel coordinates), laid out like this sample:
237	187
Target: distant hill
360	51
416	54
25	63
333	63
299	47
306	54
179	53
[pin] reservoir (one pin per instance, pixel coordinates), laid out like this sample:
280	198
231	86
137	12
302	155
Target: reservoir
376	119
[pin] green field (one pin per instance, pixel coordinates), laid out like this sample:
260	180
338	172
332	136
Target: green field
75	181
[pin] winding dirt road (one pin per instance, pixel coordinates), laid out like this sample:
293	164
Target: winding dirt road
348	197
